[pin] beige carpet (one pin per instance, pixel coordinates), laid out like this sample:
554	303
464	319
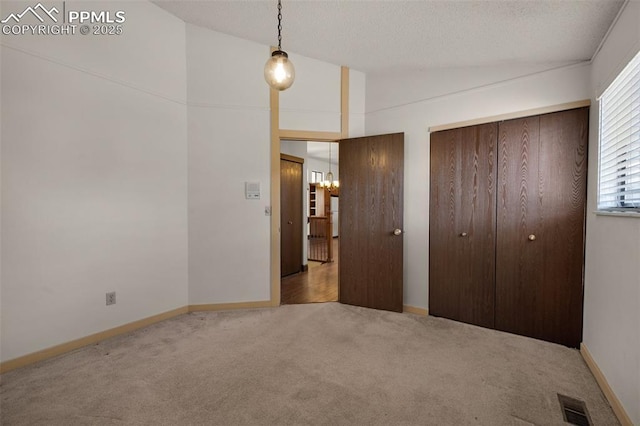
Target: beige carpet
326	364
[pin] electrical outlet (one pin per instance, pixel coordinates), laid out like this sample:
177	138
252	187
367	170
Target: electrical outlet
111	298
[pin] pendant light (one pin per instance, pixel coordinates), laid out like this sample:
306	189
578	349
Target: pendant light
279	71
329	177
329	183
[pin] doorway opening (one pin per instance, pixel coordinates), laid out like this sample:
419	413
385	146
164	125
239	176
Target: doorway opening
316	280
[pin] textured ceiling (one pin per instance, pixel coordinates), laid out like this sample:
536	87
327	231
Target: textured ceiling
379	37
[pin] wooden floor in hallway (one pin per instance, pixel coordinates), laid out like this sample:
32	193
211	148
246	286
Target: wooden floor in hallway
318	284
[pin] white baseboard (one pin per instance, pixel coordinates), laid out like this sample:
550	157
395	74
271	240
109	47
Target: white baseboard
62	348
615	403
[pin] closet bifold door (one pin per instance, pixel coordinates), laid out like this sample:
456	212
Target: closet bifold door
462	224
540	226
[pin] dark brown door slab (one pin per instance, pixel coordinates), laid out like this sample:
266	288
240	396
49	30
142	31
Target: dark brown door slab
290	217
371	209
540	237
462	224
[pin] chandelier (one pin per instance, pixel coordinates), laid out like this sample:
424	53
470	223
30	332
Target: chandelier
328	182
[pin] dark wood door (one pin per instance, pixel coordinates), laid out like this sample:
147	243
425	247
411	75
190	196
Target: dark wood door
540	226
290	217
462	224
371	209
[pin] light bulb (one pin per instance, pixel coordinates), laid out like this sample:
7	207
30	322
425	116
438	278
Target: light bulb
279	71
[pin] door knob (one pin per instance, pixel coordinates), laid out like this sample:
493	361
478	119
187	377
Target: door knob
290	222
397	231
532	237
464	234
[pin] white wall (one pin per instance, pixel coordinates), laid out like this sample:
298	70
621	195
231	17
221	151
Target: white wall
414	119
313	102
124	160
431	84
94	179
295	148
612	276
229	144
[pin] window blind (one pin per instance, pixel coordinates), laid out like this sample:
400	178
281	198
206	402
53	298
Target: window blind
619	161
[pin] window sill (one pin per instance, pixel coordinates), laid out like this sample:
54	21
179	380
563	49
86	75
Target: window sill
617	214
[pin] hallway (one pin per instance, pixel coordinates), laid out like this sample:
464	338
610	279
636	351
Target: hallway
318	284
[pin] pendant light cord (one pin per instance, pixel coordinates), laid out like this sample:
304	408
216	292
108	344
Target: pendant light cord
279	25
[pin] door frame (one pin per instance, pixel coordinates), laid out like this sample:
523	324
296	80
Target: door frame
278	134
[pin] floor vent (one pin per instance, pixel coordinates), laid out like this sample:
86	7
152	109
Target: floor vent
574	411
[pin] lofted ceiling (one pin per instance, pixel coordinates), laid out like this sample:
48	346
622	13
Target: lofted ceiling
395	36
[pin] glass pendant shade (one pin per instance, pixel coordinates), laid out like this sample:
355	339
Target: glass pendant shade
329	177
279	71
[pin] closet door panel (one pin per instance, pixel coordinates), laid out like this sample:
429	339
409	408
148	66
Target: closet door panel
462	224
563	172
519	259
540	243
